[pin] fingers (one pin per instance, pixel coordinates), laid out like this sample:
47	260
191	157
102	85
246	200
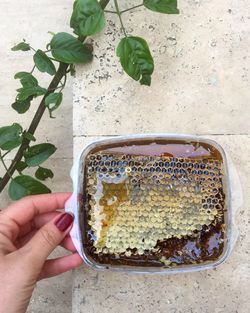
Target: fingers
48	238
37	222
60	265
23	211
20	242
66	243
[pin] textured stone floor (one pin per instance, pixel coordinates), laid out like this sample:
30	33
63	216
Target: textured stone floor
200	86
32	20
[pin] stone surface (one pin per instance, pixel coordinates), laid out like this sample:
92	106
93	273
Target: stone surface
32	20
220	290
200	79
200	86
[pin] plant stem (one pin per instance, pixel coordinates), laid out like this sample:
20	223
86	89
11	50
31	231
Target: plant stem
129	9
33	69
32	48
64	82
61	72
33	125
5	154
120	18
108	11
5	166
52	59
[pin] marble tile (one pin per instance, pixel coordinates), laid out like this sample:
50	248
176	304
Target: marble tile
219	290
200	86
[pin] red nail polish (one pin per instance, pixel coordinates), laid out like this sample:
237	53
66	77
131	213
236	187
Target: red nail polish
64	221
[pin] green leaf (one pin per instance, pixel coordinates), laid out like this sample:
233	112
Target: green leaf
21	106
29	136
27	92
136	59
53	101
30	89
10	137
37	154
26	79
43	63
22	46
162	6
43	173
20	166
68	49
87	18
25	185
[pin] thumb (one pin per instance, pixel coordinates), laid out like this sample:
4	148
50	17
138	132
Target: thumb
50	236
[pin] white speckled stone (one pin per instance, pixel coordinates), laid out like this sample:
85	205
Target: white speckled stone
32	20
220	290
200	86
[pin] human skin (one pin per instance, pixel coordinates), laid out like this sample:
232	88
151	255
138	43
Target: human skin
30	229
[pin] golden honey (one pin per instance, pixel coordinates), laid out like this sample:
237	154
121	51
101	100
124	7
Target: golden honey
154	203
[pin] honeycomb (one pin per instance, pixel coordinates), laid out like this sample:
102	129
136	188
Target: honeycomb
137	203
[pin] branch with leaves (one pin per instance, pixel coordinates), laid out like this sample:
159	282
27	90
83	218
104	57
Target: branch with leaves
58	60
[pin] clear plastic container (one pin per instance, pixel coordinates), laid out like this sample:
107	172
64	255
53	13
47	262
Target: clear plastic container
75	203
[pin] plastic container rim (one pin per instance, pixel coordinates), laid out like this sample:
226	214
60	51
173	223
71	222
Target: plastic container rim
171	136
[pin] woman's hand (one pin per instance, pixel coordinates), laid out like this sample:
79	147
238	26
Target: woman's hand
30	229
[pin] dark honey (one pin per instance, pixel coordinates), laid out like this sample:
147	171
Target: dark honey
154	203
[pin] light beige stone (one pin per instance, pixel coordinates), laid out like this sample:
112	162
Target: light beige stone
200	86
208	291
54	294
32	20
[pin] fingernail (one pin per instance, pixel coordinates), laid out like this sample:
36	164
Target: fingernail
64	221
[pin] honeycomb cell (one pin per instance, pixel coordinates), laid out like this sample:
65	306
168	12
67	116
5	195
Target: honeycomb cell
141	208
